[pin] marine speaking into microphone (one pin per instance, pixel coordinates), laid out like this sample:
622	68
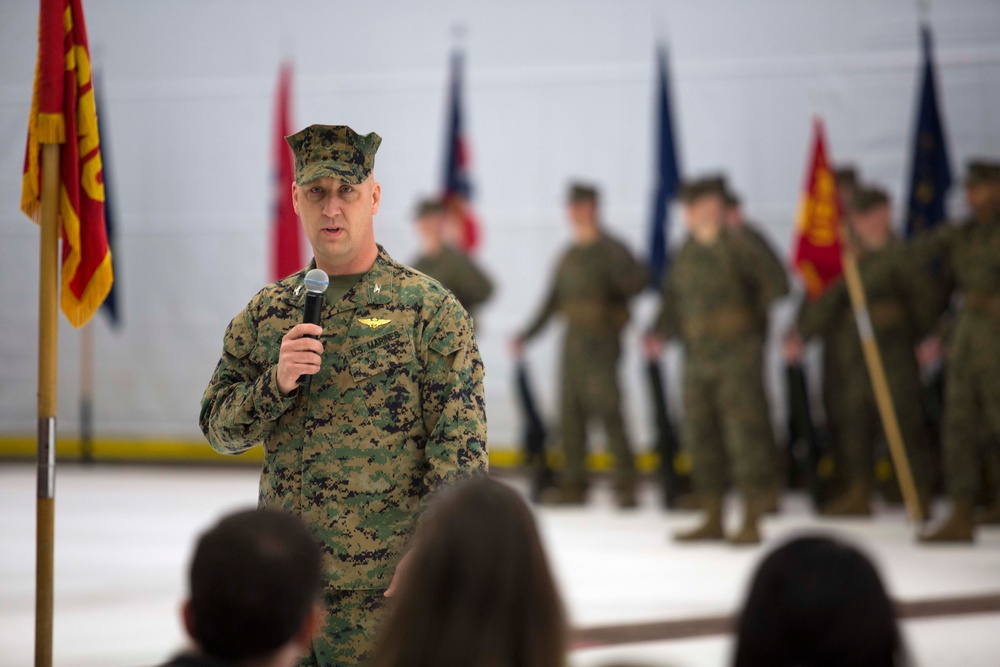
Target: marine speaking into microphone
316	282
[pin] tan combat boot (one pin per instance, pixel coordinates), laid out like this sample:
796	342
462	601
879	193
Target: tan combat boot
855	501
749	532
988	516
710	528
958	527
625	494
565	494
772	500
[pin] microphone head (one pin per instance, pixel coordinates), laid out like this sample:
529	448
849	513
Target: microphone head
317	281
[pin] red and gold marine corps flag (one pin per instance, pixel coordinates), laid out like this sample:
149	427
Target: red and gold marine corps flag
816	246
63	111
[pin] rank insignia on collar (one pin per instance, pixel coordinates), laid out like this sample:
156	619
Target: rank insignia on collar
377	288
374	322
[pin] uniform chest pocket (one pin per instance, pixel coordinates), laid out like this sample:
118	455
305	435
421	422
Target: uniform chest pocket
385	373
387	356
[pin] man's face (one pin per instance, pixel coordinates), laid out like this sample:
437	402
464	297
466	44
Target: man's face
982	199
338	220
873	228
581	211
704	216
433	227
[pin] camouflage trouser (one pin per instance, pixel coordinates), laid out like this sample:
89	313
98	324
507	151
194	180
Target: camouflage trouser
352	619
727	425
858	424
590	392
971	414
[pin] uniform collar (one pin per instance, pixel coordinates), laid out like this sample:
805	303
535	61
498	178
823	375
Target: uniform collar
375	287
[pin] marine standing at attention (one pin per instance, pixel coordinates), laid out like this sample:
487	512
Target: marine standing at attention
395	407
970	252
594	281
901	302
712	298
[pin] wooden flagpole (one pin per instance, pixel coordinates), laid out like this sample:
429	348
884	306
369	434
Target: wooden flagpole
48	359
87	393
883	398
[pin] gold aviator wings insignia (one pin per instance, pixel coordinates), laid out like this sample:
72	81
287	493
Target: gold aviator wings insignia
374	322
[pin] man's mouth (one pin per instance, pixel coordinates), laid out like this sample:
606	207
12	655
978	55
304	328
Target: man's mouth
332	231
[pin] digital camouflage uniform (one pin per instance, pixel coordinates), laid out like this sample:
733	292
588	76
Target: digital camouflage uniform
395	411
777	275
457	272
591	290
971	253
902	304
714	300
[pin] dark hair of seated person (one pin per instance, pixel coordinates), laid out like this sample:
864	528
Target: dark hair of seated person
818	602
478	590
255	577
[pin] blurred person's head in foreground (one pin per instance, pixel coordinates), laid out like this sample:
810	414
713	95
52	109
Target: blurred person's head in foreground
255	585
478	589
818	602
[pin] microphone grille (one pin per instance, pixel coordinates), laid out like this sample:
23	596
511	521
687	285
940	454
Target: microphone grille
317	281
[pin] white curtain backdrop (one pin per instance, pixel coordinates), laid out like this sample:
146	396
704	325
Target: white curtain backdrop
555	89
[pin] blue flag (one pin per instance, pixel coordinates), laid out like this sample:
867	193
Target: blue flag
930	175
110	305
667	177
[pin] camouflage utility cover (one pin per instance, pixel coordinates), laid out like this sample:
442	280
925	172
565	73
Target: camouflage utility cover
396	410
333	150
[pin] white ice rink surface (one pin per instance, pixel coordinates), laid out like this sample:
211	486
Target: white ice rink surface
124	534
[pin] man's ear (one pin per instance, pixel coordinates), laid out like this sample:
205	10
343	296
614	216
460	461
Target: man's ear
295	197
376	196
310	626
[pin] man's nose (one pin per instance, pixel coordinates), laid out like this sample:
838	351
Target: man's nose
332	206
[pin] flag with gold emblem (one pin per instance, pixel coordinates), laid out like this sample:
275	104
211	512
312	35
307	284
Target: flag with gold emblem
816	246
63	111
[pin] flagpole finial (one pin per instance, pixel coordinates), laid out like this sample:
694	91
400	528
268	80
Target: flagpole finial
923	9
458	33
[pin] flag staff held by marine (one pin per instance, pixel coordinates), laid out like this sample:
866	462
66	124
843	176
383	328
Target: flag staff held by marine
821	258
62	189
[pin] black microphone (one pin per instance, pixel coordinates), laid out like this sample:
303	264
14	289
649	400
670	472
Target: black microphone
316	283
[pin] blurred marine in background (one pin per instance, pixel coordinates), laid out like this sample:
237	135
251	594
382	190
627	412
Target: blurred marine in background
970	252
441	260
901	303
712	301
594	282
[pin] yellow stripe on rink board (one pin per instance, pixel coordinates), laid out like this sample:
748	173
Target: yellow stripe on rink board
198	451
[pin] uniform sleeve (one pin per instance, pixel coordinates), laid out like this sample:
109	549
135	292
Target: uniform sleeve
626	275
923	298
476	286
761	266
772	273
819	316
548	309
242	401
666	325
452	400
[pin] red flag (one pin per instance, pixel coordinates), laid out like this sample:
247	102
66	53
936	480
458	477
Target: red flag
817	248
286	234
63	111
